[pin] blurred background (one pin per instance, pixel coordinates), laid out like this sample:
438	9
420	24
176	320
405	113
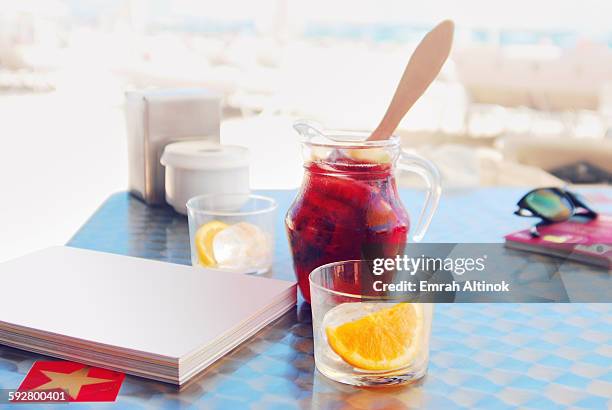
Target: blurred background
524	100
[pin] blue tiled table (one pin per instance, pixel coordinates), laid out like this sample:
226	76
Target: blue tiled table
532	356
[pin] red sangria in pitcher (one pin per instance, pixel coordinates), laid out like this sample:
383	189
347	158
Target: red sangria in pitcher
349	201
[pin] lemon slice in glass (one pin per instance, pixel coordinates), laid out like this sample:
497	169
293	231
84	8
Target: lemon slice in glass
204	242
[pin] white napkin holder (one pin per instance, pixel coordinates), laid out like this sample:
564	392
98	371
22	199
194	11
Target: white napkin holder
156	118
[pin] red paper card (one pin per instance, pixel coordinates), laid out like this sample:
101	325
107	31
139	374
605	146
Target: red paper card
82	383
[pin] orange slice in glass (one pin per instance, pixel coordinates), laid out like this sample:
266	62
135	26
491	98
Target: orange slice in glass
384	340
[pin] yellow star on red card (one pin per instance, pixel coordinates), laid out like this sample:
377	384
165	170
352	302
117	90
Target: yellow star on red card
82	383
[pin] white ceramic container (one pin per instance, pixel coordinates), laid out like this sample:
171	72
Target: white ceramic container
195	168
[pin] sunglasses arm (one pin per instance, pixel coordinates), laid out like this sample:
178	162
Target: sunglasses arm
524	212
580	204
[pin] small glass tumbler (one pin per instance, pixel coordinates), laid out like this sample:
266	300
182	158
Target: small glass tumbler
232	232
366	340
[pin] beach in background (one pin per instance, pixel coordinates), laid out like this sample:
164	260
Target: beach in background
520	73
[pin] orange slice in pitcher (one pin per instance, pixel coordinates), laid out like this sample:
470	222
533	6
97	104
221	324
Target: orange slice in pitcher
384	340
204	242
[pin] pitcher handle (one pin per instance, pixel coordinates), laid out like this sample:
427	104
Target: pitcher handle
429	172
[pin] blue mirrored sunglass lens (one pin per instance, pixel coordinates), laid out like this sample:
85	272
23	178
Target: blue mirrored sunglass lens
549	204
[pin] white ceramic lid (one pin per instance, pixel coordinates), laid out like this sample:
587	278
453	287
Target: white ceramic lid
204	155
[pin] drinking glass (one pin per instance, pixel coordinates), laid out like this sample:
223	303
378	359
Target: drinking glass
366	340
232	232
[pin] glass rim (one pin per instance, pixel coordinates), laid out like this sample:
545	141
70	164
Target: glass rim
359	297
272	204
335	140
337	292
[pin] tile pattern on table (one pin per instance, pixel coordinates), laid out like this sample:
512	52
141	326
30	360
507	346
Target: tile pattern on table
499	359
126	226
482	356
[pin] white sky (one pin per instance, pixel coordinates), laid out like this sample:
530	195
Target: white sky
583	14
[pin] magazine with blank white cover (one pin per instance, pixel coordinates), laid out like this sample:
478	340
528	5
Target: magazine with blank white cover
153	319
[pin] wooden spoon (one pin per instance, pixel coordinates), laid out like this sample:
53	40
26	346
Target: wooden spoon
422	68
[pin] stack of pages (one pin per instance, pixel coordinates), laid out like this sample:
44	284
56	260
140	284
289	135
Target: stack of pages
152	319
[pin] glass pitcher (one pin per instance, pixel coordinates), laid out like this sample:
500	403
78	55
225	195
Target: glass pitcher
349	201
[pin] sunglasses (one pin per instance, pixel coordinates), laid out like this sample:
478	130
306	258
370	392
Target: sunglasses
552	205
